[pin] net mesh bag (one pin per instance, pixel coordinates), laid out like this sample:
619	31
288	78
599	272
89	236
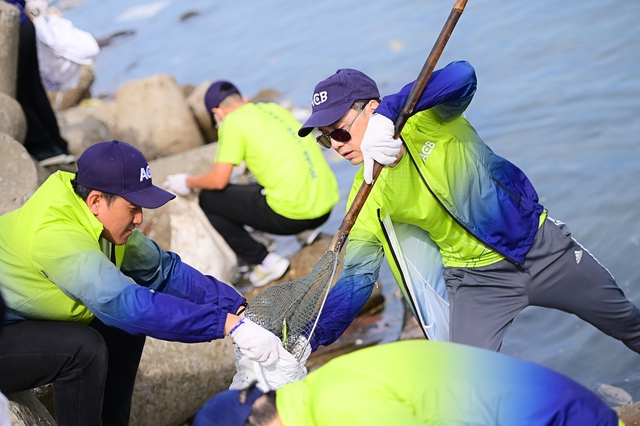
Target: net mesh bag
291	309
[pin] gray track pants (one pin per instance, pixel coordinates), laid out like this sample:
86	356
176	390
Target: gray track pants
558	273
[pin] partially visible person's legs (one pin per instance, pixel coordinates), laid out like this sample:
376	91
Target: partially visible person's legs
575	282
43	139
70	355
558	273
234	207
125	351
238	205
483	303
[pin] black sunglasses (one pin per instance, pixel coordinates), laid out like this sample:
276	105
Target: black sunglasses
340	135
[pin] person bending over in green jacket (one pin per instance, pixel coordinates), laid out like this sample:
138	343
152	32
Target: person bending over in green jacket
416	382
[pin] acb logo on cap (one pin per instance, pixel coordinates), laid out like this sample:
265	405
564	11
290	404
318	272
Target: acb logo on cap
319	98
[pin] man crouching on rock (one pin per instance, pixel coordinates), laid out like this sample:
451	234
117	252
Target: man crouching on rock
83	289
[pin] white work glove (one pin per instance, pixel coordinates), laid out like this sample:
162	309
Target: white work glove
378	144
257	343
178	184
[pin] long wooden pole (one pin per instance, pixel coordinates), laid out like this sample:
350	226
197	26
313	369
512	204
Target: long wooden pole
418	87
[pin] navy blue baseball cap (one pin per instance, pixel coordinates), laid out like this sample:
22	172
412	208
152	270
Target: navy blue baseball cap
226	408
333	97
118	168
217	92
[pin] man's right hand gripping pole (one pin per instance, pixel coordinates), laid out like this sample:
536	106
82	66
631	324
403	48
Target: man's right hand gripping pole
379	145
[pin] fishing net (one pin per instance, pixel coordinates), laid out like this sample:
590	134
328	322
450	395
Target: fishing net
291	310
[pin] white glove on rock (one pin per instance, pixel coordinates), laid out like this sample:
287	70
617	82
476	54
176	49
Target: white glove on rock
378	144
178	184
257	343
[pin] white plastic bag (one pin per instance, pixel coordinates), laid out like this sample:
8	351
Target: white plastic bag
285	370
62	49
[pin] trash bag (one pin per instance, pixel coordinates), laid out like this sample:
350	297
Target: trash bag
285	370
62	49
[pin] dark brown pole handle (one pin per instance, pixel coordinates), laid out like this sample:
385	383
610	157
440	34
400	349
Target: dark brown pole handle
429	65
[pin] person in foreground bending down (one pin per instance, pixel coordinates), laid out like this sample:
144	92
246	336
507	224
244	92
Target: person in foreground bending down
499	250
83	287
416	382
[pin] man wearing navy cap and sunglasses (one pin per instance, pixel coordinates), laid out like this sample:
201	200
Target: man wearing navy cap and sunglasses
83	287
487	248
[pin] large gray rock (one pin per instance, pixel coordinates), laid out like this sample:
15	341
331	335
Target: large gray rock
18	174
175	379
9	34
153	114
94	109
26	410
12	119
203	118
82	135
69	98
198	243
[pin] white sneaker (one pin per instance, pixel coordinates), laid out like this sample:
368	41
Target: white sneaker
57	160
307	237
271	268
